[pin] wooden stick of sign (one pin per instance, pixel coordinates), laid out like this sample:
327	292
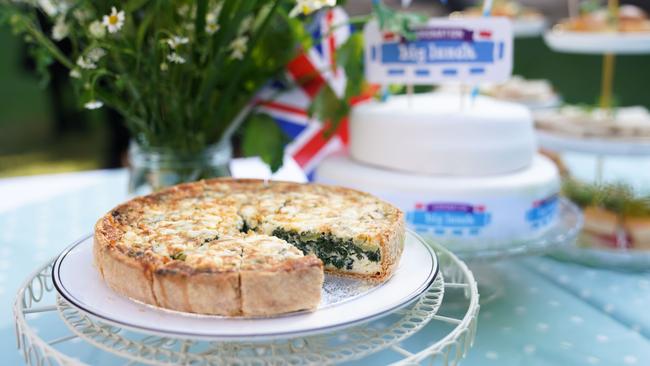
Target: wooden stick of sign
463	95
487	11
409	94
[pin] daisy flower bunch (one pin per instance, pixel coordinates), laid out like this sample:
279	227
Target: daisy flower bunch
179	71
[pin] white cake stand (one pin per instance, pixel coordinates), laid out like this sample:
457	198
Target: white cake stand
50	331
564	232
597	43
619	259
528	27
484	260
592	145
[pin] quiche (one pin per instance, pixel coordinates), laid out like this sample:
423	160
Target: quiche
244	247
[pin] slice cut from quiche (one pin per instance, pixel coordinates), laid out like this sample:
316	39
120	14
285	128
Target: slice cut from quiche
276	277
244	247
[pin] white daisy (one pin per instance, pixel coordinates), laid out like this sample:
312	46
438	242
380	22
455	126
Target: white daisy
211	28
60	30
211	19
93	104
175	41
238	47
175	58
114	21
82	15
85	63
97	29
307	7
48	7
245	24
95	54
184	10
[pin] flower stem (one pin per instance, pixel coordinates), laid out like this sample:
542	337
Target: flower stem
45	42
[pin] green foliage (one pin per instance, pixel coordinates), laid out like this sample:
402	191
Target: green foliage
350	57
43	60
617	197
327	107
178	71
395	21
580	193
590	6
262	137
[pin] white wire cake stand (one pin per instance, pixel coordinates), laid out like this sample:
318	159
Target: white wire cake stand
485	258
563	233
50	331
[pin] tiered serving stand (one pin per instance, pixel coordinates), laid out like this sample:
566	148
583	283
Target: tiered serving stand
579	251
608	45
427	331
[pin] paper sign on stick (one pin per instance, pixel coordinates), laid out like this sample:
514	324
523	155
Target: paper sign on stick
444	51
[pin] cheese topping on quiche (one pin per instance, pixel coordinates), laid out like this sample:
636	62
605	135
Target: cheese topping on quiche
276	233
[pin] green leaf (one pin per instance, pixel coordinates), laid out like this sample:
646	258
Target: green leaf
276	47
328	108
350	57
262	137
43	60
397	22
590	6
134	5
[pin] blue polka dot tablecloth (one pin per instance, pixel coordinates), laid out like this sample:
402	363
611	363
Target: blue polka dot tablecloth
536	311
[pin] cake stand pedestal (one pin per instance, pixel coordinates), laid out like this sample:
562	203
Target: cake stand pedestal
484	262
598	43
50	331
592	145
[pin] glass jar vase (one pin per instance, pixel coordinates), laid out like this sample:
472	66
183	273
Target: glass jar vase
152	169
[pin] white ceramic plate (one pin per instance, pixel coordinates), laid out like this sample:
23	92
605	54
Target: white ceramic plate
528	27
345	302
592	145
619	259
598	43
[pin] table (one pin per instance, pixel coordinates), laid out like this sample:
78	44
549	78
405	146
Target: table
550	313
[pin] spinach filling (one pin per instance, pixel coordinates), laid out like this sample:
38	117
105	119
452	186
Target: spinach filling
334	251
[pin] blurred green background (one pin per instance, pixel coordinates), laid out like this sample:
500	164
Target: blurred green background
31	142
34	141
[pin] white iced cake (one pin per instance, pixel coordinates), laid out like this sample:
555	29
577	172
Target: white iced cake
502	208
436	134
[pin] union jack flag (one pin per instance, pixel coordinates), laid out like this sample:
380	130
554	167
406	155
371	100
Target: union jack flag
311	70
